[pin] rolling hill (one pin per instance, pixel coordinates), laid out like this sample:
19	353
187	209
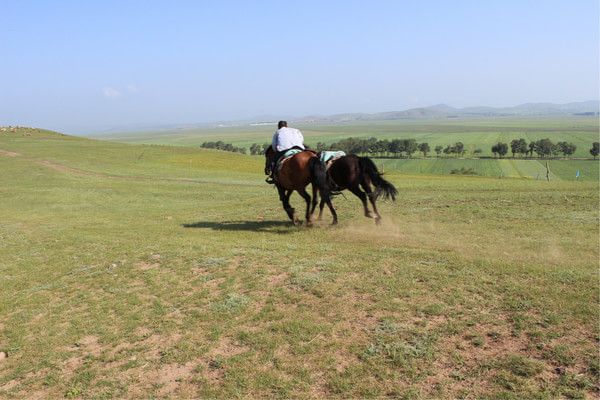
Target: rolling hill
150	271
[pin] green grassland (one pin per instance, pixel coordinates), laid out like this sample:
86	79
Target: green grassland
504	168
474	133
145	271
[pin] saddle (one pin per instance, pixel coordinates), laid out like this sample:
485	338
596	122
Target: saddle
328	157
286	156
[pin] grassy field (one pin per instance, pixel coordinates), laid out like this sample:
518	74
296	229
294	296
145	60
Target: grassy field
139	271
474	133
504	168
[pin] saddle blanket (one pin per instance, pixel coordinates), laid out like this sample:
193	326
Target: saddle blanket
286	156
327	157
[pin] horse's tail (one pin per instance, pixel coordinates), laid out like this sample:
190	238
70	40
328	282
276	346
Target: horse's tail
318	176
368	167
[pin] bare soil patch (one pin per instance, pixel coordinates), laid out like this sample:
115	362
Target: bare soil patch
9	153
64	169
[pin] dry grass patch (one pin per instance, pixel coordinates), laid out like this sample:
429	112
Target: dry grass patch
9	153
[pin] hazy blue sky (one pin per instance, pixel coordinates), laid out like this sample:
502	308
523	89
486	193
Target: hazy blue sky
77	65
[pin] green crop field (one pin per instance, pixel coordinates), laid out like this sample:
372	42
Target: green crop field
503	168
147	271
474	133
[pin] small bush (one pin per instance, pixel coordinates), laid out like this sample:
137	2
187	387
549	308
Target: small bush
232	303
463	171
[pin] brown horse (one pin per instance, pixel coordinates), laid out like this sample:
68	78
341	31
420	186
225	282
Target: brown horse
353	173
295	174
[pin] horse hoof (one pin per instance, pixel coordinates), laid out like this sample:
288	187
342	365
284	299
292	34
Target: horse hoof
334	222
309	224
369	215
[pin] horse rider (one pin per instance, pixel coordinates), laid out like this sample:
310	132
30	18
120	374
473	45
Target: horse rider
284	139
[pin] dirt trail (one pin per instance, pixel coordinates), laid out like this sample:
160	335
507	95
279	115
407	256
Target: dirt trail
9	153
69	170
80	172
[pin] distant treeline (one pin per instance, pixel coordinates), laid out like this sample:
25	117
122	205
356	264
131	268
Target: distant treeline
543	148
220	145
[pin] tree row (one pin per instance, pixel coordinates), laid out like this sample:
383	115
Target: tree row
543	148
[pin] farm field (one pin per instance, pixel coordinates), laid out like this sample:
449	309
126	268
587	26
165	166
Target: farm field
149	271
474	133
503	168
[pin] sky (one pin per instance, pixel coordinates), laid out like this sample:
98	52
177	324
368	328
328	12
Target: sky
84	66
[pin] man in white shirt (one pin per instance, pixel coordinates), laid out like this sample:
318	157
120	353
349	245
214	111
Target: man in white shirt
284	139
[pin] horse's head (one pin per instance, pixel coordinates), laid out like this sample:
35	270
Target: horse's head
269	154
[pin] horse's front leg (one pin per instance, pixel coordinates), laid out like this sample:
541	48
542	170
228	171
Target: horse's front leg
284	196
291	212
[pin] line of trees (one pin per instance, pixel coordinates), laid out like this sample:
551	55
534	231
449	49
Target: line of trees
595	150
220	145
544	148
255	148
394	148
387	148
259	149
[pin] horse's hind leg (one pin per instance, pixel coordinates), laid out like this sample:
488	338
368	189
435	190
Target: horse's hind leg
306	198
315	201
315	195
321	205
363	197
331	208
373	199
327	199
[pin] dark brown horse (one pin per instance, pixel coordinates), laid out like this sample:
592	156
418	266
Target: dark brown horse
353	173
295	174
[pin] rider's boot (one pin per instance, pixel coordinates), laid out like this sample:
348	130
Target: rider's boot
271	178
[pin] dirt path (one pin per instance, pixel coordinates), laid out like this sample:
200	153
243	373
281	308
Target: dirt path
9	153
69	170
55	166
80	172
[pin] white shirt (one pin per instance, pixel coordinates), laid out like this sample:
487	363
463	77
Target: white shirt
286	138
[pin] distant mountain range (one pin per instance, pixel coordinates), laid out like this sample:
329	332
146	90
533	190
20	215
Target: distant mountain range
444	111
438	111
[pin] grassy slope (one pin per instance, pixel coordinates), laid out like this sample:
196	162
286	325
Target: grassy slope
139	271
